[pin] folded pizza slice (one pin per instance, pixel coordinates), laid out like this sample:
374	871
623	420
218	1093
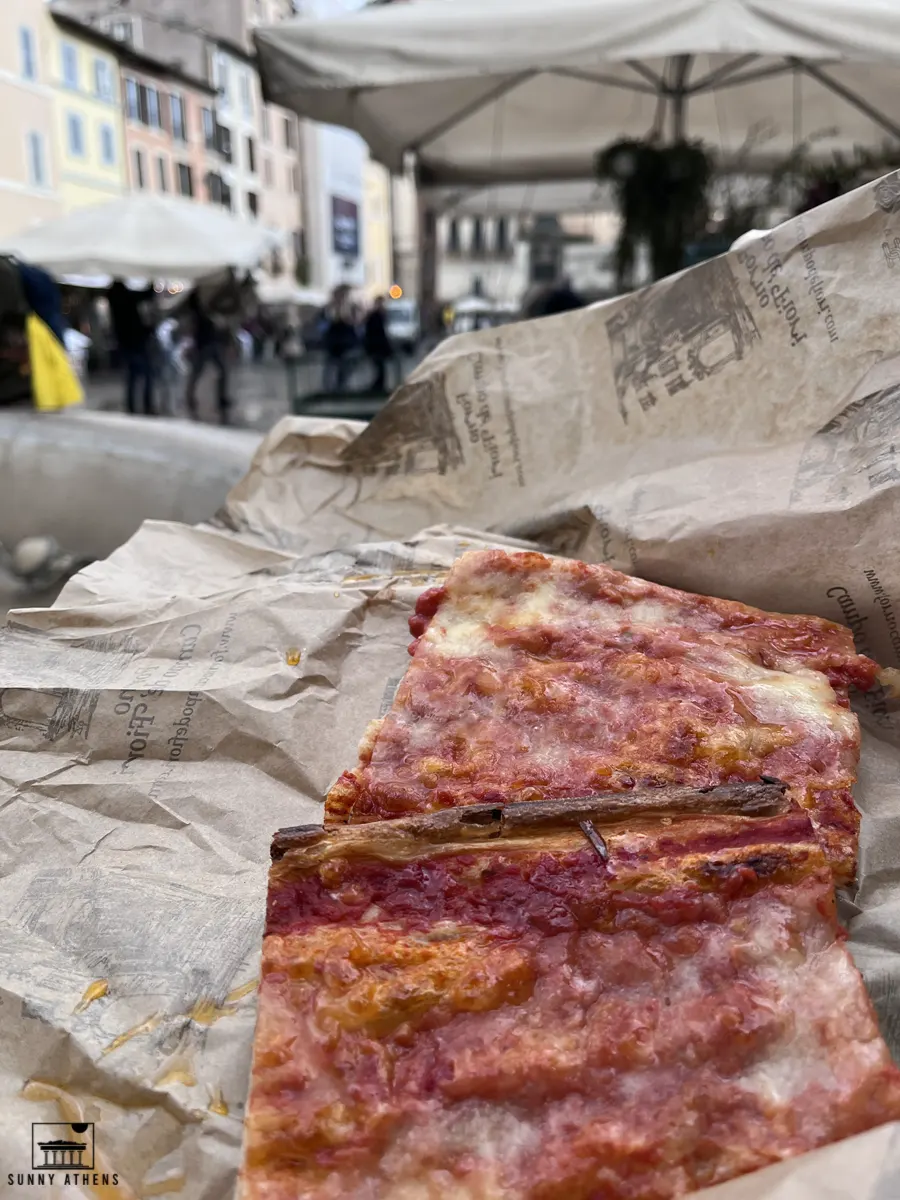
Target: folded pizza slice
535	677
556	1001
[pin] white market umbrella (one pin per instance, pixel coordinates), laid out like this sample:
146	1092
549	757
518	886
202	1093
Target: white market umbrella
143	235
494	91
285	291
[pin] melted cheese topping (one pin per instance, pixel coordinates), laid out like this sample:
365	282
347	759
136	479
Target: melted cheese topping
537	678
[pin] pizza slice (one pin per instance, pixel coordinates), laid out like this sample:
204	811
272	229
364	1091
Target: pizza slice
536	677
556	1001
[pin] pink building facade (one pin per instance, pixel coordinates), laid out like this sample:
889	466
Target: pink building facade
167	123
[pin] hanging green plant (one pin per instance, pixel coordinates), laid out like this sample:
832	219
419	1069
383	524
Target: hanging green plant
661	196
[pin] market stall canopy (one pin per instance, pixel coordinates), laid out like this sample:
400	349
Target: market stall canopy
516	90
285	291
524	199
143	235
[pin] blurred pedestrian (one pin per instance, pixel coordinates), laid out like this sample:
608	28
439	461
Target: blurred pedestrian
291	350
132	322
210	349
340	340
166	353
377	345
561	298
77	344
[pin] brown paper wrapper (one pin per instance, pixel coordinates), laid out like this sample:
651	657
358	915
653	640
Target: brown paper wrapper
734	430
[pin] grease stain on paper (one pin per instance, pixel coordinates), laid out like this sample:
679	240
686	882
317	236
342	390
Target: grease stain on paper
145	1027
217	1103
96	991
161	1187
292	656
178	1070
206	1012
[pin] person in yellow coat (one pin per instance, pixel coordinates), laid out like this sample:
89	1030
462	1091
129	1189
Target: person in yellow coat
54	385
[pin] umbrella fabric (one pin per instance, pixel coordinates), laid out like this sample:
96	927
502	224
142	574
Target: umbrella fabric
515	90
285	291
143	235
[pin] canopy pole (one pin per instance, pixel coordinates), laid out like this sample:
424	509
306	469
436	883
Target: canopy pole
851	97
681	66
427	259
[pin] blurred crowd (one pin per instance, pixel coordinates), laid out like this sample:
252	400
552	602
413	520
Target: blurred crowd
164	342
163	347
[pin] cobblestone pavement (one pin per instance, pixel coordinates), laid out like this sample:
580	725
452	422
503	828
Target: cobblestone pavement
261	394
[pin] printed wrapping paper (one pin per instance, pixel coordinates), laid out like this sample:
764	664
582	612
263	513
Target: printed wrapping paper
732	430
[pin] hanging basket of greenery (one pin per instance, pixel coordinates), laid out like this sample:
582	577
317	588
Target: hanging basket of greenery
661	195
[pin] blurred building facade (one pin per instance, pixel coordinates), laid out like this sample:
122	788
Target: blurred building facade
481	255
165	148
242	154
89	135
334	165
379	267
29	175
504	256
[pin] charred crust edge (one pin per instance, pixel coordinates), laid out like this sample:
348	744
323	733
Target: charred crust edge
483	822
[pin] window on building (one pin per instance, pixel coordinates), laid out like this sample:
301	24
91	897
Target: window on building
293	175
107	145
103	80
138	170
223	142
218	191
27	53
299	239
246	94
209	128
251	156
290	134
37	161
268	174
123	31
253	204
264	121
221	78
153	112
75	135
453	236
185	180
477	236
162	173
501	241
132	100
178	116
69	65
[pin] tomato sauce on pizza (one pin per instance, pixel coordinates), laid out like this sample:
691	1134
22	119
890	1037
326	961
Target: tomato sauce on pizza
556	1001
535	678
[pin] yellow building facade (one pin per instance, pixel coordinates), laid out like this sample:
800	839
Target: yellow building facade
88	130
29	178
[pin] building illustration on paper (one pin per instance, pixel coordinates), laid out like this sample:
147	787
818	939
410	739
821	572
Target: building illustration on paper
54	713
676	334
859	449
416	434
